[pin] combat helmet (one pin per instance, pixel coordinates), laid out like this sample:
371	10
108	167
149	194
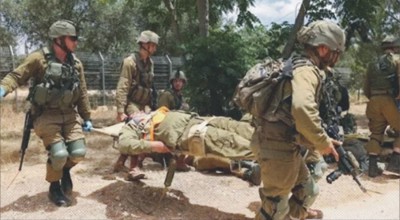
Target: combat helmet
390	41
148	36
62	28
323	32
178	75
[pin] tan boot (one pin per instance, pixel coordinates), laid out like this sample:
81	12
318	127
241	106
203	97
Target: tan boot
134	171
119	166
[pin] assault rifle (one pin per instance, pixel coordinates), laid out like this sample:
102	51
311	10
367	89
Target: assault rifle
330	113
28	125
346	164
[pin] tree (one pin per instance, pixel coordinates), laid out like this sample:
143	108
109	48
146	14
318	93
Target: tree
105	25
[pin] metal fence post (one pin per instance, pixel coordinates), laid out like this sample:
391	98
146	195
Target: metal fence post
103	80
170	65
13	67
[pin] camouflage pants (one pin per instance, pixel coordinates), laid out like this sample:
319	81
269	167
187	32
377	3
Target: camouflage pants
53	126
381	112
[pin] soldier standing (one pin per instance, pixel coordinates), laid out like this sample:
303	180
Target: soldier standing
58	95
134	90
382	89
283	170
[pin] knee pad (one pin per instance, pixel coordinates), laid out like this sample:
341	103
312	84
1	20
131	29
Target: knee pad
58	155
273	207
319	169
77	150
311	192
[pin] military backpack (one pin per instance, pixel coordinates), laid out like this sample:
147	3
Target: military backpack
257	91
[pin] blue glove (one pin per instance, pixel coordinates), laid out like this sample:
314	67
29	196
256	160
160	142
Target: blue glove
2	92
87	126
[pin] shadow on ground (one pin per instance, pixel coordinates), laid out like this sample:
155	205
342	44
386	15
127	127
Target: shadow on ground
127	200
35	203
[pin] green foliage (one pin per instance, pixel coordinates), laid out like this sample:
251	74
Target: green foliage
104	25
216	65
319	10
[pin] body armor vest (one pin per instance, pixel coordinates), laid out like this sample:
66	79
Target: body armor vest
178	99
141	88
383	76
59	87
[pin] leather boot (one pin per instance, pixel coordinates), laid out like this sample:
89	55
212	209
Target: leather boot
134	171
66	182
181	164
119	166
314	214
394	163
373	169
57	196
253	175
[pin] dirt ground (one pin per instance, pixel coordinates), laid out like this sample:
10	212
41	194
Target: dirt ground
100	194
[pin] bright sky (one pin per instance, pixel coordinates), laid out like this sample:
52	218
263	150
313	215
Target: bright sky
276	10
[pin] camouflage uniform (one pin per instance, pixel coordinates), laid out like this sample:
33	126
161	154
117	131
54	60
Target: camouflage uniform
283	170
380	88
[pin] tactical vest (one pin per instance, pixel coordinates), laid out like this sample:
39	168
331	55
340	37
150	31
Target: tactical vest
383	75
141	88
60	86
178	99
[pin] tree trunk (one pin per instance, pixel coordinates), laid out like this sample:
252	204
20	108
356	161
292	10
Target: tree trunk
203	10
174	20
297	25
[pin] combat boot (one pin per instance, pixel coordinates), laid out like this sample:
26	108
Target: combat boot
66	182
134	171
253	175
120	164
394	163
373	169
57	196
181	163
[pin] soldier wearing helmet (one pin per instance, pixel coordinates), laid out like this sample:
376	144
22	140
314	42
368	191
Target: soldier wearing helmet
172	98
55	117
135	89
288	189
381	86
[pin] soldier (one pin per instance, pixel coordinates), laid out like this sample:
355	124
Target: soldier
135	89
283	170
382	89
173	98
165	131
58	95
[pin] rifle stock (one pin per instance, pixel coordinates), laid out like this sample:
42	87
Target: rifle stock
28	125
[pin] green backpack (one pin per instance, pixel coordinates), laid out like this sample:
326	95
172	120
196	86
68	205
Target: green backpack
256	92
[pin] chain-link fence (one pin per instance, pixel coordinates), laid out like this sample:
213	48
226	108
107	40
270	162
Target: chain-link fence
102	71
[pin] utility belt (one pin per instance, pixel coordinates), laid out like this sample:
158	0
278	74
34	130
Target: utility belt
194	136
382	92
